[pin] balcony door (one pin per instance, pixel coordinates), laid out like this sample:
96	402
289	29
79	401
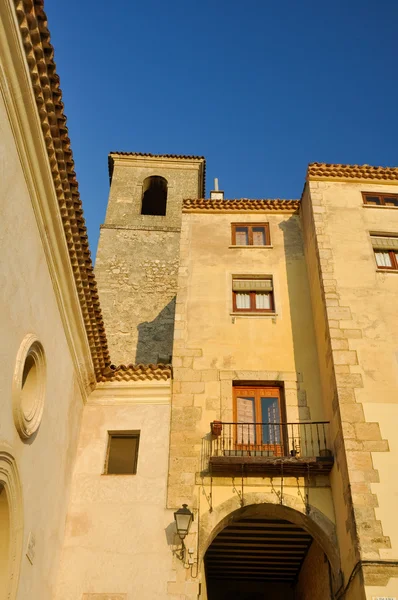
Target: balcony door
258	416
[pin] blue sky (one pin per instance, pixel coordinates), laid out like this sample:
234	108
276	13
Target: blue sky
259	88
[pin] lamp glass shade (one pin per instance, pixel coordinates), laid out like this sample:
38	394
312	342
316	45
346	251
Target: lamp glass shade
183	518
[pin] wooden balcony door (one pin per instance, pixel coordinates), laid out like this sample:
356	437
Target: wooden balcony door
258	417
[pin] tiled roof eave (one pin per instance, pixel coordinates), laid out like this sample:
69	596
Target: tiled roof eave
45	83
352	173
138	372
241	205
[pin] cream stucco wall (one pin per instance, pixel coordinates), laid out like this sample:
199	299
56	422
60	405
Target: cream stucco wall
29	305
119	536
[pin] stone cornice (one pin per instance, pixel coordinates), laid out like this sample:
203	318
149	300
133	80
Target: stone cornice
131	392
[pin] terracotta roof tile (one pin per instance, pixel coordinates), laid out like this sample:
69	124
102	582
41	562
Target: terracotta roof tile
237	205
45	81
359	172
138	372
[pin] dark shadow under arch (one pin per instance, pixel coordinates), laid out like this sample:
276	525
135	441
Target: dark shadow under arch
321	529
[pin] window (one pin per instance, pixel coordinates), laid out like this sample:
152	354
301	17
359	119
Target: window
386	251
154	198
252	293
258	418
122	454
389	200
255	234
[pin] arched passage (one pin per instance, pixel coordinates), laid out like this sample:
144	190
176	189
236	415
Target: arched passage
4	538
11	523
154	198
268	550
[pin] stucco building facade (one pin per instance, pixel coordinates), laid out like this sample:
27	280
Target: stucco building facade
235	356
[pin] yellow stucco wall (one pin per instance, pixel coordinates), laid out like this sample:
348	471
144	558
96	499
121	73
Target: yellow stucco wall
213	348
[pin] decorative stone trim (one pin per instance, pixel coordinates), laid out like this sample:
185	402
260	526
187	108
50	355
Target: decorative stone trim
28	388
9	479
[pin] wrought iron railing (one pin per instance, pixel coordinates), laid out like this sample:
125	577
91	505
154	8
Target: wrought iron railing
290	440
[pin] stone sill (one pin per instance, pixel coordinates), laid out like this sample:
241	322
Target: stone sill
255	315
379	206
387	270
247	246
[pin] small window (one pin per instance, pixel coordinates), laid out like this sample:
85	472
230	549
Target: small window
259	418
122	454
253	294
255	234
390	200
386	251
154	196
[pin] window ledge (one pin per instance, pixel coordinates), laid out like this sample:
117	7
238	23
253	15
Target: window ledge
247	246
379	206
254	314
386	270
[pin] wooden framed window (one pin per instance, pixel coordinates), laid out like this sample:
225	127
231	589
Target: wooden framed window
374	199
259	419
253	234
253	294
385	249
122	453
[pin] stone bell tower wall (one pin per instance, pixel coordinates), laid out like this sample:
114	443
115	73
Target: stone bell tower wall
138	255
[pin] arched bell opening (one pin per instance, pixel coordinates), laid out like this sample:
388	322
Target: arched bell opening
154	196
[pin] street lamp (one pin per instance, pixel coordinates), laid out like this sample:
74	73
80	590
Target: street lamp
183	518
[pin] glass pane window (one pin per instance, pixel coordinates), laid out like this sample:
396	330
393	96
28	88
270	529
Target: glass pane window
390	201
383	259
373	200
271	432
381	199
245	416
263	301
243	300
242	236
259	236
256	234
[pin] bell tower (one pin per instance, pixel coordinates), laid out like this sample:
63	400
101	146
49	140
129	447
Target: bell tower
138	252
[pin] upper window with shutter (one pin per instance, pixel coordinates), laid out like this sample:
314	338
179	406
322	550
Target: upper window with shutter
250	234
252	294
386	251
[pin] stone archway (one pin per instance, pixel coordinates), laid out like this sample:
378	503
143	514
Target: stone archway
261	507
11	513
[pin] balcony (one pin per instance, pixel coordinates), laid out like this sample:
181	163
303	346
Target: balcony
270	449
